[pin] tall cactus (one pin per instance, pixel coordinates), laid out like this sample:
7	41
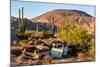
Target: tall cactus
37	27
52	25
49	24
23	26
21	21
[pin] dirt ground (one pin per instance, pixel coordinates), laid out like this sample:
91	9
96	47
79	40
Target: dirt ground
54	61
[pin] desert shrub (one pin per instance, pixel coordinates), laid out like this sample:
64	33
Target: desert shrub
16	52
47	34
74	34
22	42
38	42
19	59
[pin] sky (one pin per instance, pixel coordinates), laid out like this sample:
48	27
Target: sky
33	9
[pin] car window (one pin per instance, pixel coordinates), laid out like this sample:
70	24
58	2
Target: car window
58	46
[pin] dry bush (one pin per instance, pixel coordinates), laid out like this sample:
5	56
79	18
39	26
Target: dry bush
19	59
47	59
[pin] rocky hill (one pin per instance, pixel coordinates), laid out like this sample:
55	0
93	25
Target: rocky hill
59	16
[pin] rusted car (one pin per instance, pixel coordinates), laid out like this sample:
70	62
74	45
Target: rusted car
35	52
59	49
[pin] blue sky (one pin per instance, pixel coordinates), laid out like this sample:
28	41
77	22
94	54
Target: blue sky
33	9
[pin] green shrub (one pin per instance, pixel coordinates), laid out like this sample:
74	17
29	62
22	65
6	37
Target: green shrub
74	34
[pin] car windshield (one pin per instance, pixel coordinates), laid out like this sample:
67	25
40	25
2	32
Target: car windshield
58	45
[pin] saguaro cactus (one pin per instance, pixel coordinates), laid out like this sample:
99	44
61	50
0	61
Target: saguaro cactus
37	27
52	25
23	26
49	23
21	21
